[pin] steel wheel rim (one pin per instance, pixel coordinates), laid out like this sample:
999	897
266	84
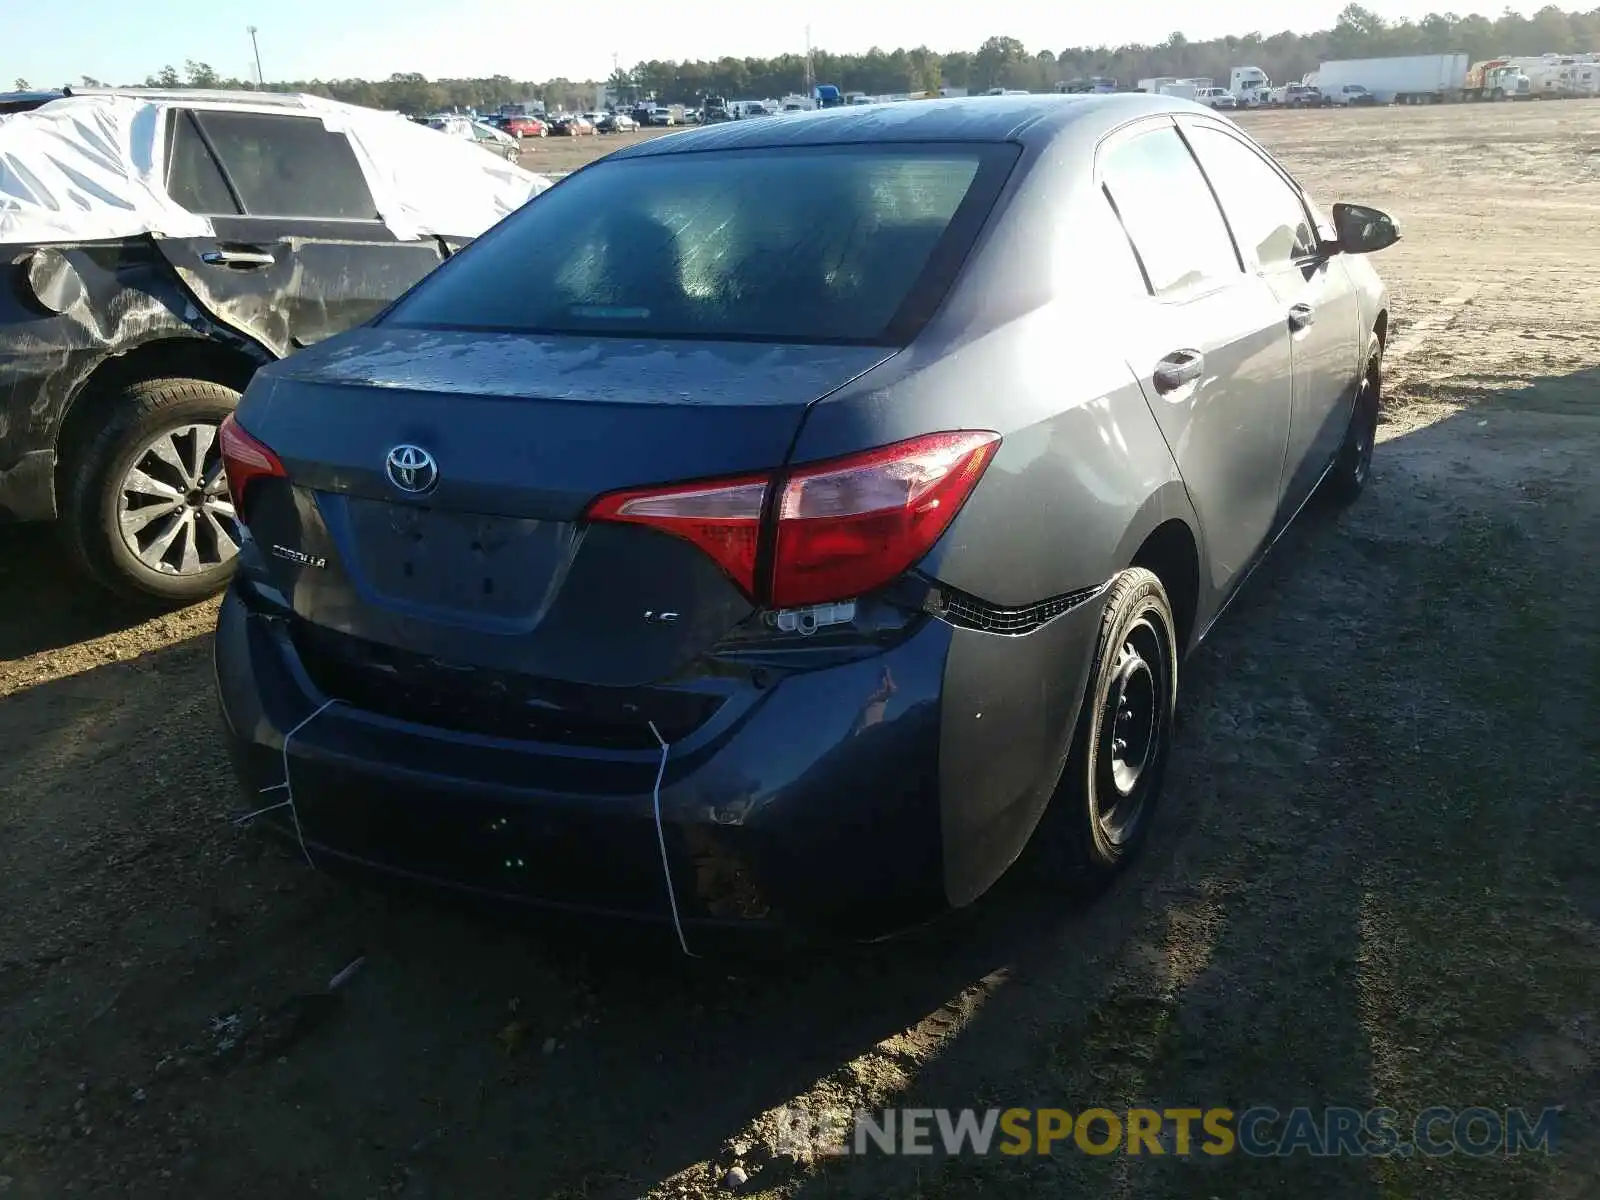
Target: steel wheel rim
173	509
1133	724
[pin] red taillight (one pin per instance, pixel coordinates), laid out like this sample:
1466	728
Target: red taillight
723	519
852	525
244	459
841	528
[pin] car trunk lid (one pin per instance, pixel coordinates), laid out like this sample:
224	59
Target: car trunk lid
489	564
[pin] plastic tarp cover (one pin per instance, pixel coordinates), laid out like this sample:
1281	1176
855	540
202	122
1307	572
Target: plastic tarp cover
86	168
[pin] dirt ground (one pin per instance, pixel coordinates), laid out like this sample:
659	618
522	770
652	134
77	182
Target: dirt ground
1375	882
558	155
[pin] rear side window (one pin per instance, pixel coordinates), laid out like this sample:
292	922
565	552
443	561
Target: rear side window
193	179
1269	222
289	166
1169	213
850	244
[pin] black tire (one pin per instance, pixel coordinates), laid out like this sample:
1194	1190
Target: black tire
1353	467
1102	807
95	470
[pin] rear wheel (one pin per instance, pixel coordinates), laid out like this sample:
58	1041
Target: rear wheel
1101	810
146	511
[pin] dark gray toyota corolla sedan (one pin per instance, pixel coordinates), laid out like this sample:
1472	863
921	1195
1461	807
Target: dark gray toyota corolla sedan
787	523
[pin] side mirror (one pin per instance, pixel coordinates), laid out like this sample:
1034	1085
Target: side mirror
1363	230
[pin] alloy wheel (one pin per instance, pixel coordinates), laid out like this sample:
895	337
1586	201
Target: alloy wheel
173	507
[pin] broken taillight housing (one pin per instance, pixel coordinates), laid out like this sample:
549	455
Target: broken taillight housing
244	459
837	529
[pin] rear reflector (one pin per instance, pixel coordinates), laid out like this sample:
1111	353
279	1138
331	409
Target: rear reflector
839	528
243	460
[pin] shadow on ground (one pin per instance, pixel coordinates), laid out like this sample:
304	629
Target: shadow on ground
44	603
1368	889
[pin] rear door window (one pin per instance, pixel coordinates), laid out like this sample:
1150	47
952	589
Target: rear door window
193	178
853	244
1169	213
289	166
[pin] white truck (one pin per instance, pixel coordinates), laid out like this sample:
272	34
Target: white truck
1249	86
1216	97
1295	95
1495	79
1154	84
1406	79
1182	89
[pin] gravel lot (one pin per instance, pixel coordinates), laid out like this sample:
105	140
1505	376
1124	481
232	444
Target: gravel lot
1375	882
555	155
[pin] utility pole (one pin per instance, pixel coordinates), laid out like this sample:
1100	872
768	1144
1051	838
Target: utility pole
810	81
260	79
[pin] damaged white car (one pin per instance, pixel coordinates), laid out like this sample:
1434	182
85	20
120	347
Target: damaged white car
158	248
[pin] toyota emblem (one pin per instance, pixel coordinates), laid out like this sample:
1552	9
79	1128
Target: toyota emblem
412	469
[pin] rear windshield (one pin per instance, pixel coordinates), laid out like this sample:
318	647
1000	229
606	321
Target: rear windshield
831	244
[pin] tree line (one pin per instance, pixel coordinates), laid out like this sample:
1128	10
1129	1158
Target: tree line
1000	62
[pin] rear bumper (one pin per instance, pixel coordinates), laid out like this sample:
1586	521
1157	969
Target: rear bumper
821	812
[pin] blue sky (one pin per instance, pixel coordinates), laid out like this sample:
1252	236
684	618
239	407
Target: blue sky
50	42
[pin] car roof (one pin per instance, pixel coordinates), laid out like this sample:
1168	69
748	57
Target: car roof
1026	119
207	96
11	102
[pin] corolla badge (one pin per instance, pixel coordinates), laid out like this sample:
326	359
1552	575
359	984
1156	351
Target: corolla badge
411	469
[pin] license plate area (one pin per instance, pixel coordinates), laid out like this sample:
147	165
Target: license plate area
452	562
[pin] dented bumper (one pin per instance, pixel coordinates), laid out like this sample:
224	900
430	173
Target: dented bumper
821	805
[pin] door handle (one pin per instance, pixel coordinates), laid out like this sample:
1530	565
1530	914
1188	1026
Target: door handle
237	258
1176	369
1301	317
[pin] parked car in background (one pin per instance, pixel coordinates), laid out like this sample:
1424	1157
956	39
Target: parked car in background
810	589
662	116
135	309
1216	97
1296	95
1349	94
618	122
570	125
524	127
452	125
496	141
